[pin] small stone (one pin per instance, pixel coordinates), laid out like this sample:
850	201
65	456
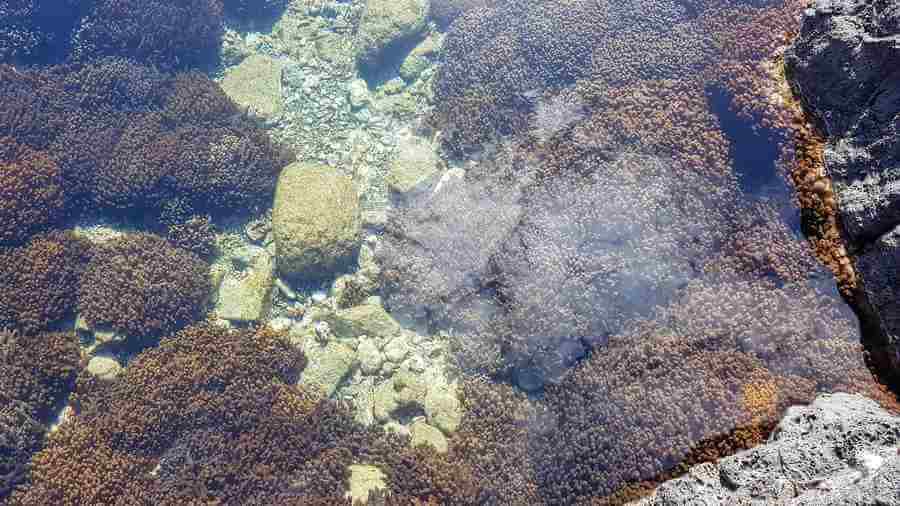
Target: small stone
369	318
323	332
396	428
386	24
281	324
105	368
416	162
388	368
384	401
363	479
246	296
370	358
396	350
424	434
417	60
358	94
255	85
393	87
443	409
327	365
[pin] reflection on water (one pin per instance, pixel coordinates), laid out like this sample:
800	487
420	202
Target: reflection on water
587	276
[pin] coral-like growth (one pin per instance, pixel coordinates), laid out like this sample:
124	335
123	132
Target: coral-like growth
444	12
705	378
39	281
31	193
142	286
169	35
36	31
36	372
211	415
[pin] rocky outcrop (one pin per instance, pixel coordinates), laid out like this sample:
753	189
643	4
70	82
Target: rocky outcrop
845	65
385	25
842	449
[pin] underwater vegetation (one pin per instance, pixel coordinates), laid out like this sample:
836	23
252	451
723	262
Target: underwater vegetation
38	370
142	286
212	415
39	281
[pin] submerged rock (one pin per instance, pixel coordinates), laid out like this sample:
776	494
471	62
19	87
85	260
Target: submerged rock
245	295
842	449
385	25
844	65
316	221
255	85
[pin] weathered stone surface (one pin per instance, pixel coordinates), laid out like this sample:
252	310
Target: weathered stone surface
418	60
443	408
846	66
255	85
245	295
364	478
385	25
424	434
328	364
416	162
106	368
370	357
368	318
840	450
316	221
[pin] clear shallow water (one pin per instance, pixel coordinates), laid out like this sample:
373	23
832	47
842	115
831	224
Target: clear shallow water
577	215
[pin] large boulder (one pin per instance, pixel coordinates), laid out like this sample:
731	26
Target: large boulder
840	450
845	64
387	25
316	221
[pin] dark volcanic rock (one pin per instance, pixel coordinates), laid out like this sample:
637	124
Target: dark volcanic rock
845	64
840	450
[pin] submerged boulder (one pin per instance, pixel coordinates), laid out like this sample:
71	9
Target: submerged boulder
316	221
385	25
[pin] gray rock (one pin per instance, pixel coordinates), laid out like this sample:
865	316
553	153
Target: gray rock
424	434
255	85
840	450
315	220
327	365
370	357
103	367
846	66
386	24
246	296
364	478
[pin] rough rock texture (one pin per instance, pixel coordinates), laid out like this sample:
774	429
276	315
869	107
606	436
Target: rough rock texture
845	64
316	221
841	450
246	295
255	85
384	25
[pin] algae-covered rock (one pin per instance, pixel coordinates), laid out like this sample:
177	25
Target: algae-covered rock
316	221
368	318
418	60
255	85
443	408
424	434
364	478
245	295
328	364
385	25
103	367
415	163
